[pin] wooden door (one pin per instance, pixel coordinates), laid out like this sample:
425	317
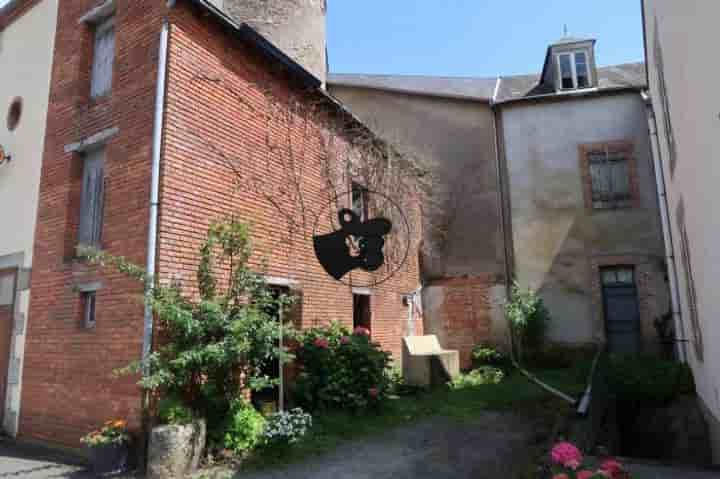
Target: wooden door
7	300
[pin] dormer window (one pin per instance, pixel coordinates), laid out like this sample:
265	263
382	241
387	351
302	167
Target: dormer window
574	70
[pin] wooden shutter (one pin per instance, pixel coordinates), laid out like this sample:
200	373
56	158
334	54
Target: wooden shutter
92	200
689	281
600	175
103	58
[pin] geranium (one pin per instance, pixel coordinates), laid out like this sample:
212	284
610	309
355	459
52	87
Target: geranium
373	392
561	476
567	455
611	466
585	474
360	331
345	340
321	343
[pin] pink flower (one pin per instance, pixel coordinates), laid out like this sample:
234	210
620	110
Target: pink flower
321	343
572	464
584	474
360	331
345	340
567	455
604	473
373	392
611	466
561	476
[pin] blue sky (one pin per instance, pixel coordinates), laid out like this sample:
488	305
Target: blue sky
473	37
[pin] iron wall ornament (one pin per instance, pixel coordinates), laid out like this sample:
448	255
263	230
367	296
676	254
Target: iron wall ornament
4	158
357	244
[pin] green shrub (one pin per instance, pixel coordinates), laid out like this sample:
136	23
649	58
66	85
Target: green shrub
489	356
528	317
340	370
647	378
243	428
477	377
172	410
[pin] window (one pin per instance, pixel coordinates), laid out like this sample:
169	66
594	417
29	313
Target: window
610	176
618	275
689	281
663	93
92	199
103	58
574	70
360	201
14	114
88	309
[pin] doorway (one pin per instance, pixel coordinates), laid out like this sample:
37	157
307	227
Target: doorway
362	317
622	309
7	308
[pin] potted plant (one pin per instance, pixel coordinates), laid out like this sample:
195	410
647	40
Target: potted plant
108	447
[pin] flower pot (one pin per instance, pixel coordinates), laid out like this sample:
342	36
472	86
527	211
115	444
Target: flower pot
110	458
174	451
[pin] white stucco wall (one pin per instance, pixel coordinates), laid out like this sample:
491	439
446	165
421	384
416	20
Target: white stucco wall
687	36
26	52
555	235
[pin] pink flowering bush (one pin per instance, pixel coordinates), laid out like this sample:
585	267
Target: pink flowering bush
340	369
567	463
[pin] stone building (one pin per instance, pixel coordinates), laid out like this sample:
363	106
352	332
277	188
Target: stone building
550	178
146	104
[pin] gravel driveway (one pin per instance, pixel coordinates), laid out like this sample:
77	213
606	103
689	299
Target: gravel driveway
495	445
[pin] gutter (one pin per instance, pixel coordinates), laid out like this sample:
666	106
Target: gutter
667	230
155	189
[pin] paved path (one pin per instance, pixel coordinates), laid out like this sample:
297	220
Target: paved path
32	463
496	445
650	471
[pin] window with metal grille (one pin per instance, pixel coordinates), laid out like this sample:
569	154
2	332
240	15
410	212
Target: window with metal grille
92	199
360	201
103	58
88	309
610	178
689	281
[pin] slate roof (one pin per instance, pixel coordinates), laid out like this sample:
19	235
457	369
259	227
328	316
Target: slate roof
512	88
616	77
481	89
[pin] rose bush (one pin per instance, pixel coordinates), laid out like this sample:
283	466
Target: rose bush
340	369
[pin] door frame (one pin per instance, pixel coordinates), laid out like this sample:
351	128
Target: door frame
630	285
4	388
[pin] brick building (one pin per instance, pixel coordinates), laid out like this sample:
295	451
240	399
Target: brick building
148	102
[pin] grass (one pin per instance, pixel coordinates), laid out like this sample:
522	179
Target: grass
514	393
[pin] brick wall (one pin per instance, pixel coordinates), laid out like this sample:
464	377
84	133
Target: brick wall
460	312
14	10
217	109
67	385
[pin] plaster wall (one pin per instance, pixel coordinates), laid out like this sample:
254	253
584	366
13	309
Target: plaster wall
26	52
684	34
558	241
463	265
297	27
456	138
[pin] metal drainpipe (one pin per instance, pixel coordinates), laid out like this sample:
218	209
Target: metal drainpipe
155	188
667	231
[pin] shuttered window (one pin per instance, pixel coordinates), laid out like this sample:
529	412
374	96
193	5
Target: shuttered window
689	281
103	58
610	178
92	199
